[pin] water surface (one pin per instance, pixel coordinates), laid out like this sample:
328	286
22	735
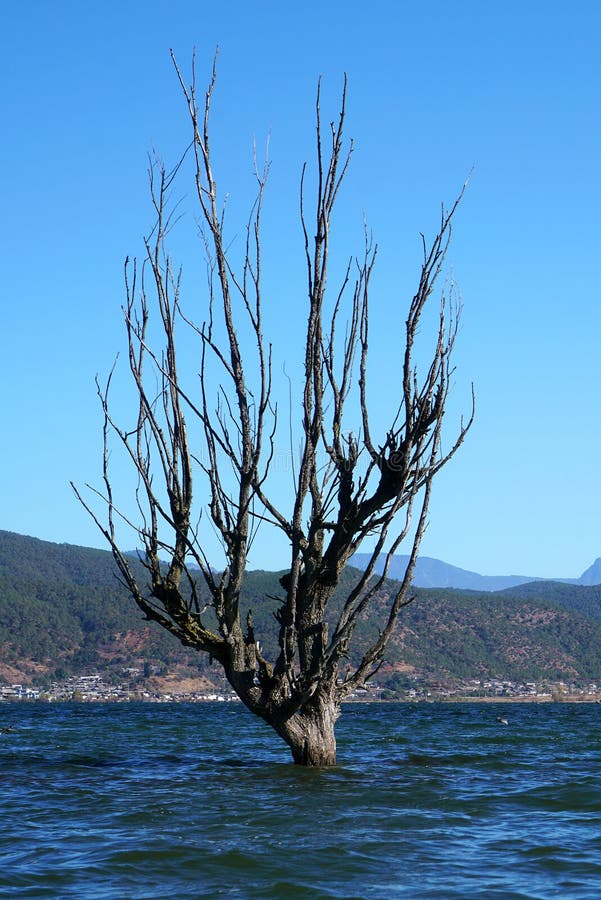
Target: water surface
148	801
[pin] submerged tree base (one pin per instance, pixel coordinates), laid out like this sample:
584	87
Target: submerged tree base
310	734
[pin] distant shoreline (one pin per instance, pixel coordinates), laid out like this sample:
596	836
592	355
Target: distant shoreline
568	698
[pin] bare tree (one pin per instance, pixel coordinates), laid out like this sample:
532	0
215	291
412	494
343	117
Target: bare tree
346	486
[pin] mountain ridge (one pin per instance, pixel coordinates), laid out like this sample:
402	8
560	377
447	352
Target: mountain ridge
430	572
434	573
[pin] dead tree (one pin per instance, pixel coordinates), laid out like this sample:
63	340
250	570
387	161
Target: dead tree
346	486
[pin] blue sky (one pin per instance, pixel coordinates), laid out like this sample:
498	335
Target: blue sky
511	89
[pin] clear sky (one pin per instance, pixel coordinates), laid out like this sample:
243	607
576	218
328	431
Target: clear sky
509	88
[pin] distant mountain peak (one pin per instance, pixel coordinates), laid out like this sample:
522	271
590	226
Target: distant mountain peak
592	575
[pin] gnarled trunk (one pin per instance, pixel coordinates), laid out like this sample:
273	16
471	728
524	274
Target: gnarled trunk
310	732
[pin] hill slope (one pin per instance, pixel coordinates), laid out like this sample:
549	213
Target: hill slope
62	610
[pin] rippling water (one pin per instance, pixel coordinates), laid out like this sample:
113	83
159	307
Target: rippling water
177	801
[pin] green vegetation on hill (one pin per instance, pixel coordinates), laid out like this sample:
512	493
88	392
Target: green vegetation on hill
63	611
471	635
574	597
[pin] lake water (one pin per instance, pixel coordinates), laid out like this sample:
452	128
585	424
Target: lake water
118	802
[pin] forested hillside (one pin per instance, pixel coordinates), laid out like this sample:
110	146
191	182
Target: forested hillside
63	611
577	598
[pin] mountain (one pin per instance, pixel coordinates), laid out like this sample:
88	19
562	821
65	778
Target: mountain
63	611
435	573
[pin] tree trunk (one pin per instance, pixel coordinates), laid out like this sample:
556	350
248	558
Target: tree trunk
310	733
